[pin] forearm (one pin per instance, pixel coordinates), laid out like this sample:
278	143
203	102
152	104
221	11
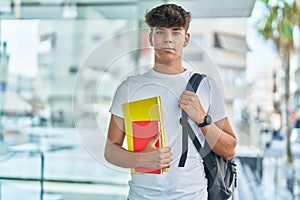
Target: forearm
117	155
222	142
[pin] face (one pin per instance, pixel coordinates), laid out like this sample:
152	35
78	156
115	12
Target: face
168	42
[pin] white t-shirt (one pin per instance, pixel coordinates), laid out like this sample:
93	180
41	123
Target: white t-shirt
186	182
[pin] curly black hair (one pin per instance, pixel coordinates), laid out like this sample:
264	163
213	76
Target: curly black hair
168	15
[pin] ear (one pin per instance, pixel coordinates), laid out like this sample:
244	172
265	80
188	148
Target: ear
187	39
150	39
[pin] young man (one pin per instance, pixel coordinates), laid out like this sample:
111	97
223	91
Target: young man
169	24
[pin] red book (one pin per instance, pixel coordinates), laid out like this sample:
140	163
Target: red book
143	132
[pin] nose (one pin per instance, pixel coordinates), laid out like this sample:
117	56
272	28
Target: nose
168	37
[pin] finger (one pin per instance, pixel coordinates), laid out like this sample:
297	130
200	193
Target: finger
167	157
167	162
185	101
188	93
165	150
154	140
187	107
189	97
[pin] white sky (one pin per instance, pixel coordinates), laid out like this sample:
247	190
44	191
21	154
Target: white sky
262	55
22	50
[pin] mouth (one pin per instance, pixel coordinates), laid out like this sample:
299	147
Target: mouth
168	49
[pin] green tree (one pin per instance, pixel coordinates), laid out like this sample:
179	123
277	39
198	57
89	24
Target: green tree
281	17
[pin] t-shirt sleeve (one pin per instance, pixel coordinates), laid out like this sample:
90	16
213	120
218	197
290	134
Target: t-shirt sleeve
217	109
121	96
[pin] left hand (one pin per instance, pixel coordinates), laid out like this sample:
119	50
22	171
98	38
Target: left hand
191	104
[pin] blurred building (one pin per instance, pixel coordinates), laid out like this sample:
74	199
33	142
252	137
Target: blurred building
61	65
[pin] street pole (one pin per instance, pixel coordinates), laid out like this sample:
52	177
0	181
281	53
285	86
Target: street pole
4	59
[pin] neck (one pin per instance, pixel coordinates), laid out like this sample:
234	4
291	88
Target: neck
169	68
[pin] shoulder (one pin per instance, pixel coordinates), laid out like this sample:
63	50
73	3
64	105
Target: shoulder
207	81
213	82
130	83
210	84
132	78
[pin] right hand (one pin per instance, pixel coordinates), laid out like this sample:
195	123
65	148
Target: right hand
156	158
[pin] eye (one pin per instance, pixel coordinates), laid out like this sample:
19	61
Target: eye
176	33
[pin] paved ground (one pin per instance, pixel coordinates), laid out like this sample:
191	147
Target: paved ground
89	180
279	180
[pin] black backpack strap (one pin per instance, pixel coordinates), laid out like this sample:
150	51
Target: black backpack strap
187	130
194	82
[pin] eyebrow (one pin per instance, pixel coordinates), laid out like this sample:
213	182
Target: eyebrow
174	29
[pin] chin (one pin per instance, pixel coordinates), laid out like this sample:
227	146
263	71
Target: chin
167	58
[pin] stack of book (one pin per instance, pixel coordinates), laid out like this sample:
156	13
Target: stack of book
143	121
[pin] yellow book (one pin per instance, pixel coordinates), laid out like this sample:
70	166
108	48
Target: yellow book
143	120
